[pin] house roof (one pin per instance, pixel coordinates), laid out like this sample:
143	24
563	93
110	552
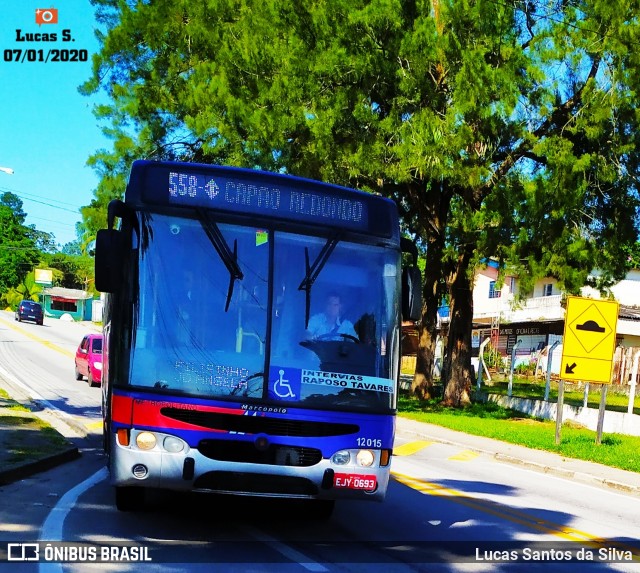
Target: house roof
69	293
629	312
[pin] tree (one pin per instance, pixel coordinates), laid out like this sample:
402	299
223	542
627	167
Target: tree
18	253
26	290
500	128
45	242
71	271
14	202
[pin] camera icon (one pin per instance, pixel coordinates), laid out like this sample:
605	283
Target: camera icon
46	16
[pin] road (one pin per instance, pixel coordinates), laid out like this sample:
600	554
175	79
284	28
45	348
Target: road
448	509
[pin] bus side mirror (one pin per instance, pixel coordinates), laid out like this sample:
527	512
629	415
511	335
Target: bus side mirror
108	260
411	294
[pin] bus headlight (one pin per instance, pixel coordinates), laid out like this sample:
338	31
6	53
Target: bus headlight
365	458
146	441
341	458
173	444
97	365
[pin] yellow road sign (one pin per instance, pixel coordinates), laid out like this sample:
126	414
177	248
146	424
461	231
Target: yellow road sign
589	340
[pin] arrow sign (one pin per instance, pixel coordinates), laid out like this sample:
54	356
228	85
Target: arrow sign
569	369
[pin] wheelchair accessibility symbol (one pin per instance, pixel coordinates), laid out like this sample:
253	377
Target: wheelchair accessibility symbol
281	387
284	383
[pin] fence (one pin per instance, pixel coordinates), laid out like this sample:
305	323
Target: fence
623	365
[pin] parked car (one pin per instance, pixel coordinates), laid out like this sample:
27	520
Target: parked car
30	310
89	359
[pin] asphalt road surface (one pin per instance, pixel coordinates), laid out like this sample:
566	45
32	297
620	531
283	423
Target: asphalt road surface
448	508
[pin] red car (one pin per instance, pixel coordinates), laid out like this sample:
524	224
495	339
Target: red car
89	359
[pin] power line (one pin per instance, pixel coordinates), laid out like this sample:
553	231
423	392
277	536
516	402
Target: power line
15	192
51	221
76	211
22	195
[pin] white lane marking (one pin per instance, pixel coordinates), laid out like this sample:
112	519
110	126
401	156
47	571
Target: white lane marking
30	391
73	426
289	552
52	526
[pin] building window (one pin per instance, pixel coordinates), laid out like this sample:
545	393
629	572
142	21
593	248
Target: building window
547	290
64	305
493	292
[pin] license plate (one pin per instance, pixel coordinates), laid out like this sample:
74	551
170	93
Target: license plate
355	481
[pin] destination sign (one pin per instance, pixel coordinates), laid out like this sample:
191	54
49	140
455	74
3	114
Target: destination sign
260	193
209	191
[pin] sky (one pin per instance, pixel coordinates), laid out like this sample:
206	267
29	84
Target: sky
47	129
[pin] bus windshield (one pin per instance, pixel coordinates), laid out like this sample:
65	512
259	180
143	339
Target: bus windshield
237	315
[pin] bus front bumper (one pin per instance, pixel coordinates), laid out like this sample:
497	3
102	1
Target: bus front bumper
190	470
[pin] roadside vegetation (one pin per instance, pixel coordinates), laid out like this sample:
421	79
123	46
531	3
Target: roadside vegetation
25	248
24	437
617	400
533	389
493	421
7	403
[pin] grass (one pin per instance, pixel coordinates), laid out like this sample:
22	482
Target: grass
25	438
7	402
493	421
534	389
25	449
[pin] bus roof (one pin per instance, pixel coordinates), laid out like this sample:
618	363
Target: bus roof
260	193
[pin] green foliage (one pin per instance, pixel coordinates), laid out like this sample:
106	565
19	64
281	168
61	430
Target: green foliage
18	253
14	202
26	290
76	272
23	248
501	129
492	357
525	368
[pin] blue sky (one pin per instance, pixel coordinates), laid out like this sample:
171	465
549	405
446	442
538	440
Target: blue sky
47	129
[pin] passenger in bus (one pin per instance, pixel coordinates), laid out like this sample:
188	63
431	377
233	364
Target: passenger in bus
329	325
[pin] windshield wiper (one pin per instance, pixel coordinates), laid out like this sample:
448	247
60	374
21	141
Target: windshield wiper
230	259
312	271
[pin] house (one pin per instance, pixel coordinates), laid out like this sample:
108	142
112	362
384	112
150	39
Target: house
538	321
58	301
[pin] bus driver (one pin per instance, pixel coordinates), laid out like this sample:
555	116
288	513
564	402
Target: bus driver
329	325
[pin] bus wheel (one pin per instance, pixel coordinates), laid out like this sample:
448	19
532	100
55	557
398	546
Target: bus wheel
320	509
129	498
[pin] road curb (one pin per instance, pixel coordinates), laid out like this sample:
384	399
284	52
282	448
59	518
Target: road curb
27	470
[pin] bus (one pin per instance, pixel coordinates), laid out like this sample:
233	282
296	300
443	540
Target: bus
215	375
